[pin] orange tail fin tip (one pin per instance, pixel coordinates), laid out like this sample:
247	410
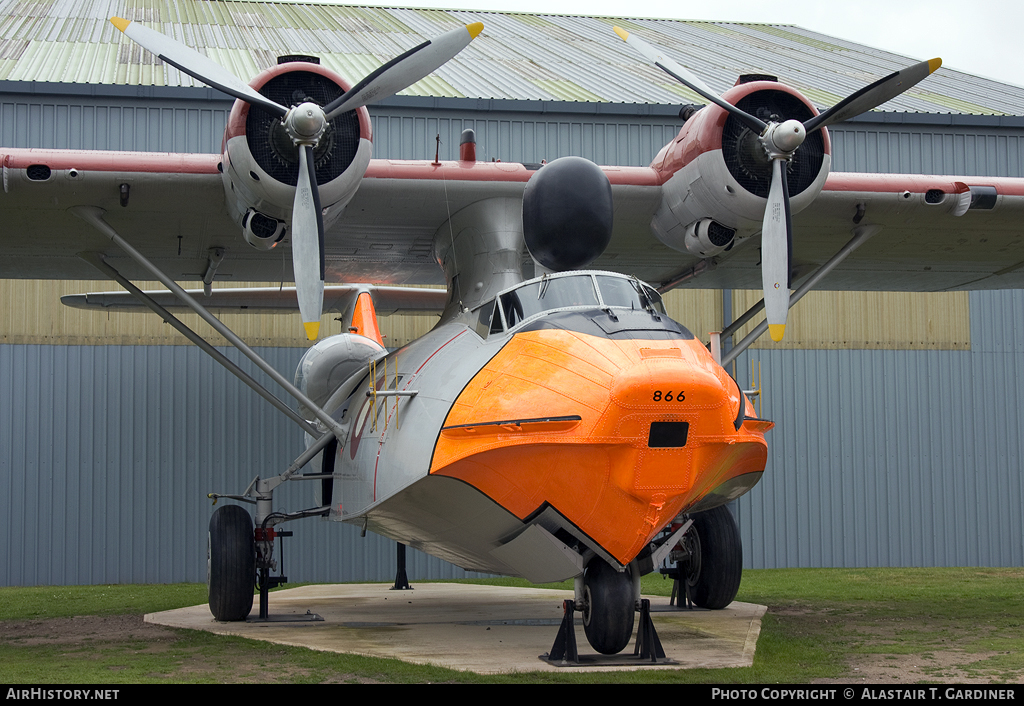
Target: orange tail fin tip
364	318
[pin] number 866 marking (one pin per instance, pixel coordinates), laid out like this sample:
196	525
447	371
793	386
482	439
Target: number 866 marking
668	396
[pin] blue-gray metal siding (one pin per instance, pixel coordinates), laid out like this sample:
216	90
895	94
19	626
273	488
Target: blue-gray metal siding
917	149
402	130
879	458
892	458
107	454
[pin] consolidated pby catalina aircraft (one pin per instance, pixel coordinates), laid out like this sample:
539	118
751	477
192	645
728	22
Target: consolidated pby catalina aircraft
550	426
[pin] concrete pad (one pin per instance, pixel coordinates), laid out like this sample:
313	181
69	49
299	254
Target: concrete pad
483	629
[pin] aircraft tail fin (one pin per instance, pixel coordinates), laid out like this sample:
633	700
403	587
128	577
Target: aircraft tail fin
364	318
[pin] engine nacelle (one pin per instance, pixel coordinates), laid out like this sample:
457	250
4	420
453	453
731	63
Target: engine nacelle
261	163
721	174
326	365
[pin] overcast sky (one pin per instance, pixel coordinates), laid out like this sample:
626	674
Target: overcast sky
981	38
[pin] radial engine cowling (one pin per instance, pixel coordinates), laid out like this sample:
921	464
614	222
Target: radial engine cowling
327	365
261	165
721	174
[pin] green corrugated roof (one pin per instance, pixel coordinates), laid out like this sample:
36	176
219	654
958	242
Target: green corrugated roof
567	91
521	55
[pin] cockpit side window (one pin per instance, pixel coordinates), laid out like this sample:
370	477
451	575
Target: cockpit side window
487	315
512	307
653	297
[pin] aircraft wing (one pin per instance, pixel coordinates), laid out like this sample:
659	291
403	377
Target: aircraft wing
922	244
338	299
174	213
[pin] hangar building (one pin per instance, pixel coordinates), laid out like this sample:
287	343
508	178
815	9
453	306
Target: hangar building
898	434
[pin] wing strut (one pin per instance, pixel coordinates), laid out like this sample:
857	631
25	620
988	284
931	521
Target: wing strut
99	262
94	216
261	490
860	235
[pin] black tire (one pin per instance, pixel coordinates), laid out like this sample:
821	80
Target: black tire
231	563
608	607
713	573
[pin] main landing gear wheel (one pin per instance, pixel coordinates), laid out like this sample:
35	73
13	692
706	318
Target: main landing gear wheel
231	563
715	566
608	607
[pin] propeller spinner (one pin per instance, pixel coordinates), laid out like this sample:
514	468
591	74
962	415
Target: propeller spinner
780	141
305	125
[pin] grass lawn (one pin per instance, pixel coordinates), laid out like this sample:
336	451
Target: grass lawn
875	625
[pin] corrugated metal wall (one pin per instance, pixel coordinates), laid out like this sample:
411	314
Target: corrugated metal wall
182	124
107	454
894	458
184	120
977	150
880	457
112	123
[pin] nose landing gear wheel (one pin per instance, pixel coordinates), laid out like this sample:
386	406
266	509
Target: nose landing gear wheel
608	607
231	563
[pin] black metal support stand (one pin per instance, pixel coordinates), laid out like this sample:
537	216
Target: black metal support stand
564	650
401	579
648	650
683	596
264	593
648	646
268	582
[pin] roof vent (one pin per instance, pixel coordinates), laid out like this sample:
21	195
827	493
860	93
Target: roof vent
291	58
750	78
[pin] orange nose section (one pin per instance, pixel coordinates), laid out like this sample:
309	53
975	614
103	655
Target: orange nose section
618	436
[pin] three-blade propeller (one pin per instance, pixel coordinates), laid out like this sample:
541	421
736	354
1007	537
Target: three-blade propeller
305	124
780	141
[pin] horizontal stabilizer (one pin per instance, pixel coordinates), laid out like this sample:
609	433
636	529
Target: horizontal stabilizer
273	300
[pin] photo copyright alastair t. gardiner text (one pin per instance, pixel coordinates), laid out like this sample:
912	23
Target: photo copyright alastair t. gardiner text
866	693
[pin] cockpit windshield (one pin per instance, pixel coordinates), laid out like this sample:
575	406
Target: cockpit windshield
567	291
536	296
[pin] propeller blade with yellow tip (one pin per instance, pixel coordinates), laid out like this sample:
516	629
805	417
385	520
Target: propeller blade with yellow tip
405	70
307	245
776	234
195	64
664	61
870	97
305	124
686	77
781	139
